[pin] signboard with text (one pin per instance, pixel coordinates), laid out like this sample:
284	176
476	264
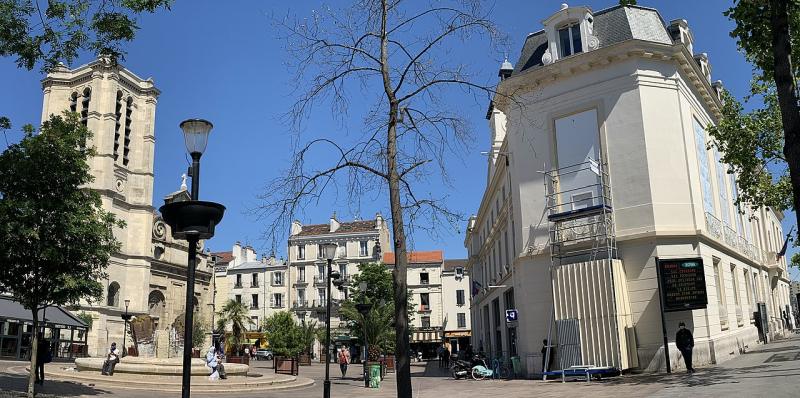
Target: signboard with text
683	284
512	315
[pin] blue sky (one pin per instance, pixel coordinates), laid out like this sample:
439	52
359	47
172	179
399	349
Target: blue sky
224	62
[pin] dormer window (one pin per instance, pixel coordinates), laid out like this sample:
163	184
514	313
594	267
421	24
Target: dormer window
569	40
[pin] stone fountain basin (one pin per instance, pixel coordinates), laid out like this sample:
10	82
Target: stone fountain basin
157	366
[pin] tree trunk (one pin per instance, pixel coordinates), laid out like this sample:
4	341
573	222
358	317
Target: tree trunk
34	353
787	93
401	263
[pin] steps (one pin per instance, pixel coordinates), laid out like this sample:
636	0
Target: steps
200	384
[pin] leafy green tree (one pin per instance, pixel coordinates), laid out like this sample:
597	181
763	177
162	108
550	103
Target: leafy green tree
57	30
768	33
55	238
285	337
308	333
236	316
379	329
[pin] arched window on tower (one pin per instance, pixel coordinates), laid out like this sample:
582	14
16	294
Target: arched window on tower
117	126
87	97
195	305
73	102
128	121
156	304
112	298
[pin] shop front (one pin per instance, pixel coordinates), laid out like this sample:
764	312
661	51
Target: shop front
65	332
457	341
425	342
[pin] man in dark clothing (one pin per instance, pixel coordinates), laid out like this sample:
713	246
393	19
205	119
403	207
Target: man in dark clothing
43	356
685	342
547	359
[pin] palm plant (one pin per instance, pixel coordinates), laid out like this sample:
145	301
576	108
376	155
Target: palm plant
235	315
308	333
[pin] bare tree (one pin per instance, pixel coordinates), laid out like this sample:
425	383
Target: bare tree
399	55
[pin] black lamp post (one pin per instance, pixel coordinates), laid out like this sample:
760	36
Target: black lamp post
125	317
330	253
363	309
192	220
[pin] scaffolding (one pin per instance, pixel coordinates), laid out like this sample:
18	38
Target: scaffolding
581	229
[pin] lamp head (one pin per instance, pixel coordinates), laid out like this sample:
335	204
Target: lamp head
195	135
335	275
127	302
362	286
329	250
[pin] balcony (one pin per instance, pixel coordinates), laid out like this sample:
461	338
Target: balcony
424	308
731	237
277	283
714	226
253	307
254	285
301	281
297	304
320	280
237	285
278	304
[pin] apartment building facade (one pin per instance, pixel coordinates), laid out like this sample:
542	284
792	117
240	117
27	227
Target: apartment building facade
605	141
359	241
456	322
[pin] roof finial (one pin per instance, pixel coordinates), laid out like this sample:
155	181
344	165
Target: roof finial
183	182
564	6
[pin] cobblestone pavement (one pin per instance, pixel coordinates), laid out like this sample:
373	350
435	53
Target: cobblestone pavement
772	370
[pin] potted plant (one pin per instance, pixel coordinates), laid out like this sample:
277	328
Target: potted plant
235	317
308	333
286	341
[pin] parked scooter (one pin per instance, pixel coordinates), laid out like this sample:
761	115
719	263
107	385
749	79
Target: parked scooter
461	368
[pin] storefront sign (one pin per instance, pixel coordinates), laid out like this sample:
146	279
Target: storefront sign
683	284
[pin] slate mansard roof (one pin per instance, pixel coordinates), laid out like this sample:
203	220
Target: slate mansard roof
610	26
344	228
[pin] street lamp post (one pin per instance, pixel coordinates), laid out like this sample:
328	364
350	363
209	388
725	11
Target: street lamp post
192	220
330	253
363	309
125	317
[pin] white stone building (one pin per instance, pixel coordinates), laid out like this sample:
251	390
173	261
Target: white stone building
358	241
119	109
623	96
424	281
456	322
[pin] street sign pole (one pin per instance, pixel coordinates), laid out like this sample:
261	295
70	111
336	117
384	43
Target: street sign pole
663	318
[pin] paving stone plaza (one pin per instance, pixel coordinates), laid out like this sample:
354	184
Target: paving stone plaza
774	367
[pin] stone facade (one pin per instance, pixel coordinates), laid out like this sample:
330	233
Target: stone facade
456	322
626	96
119	108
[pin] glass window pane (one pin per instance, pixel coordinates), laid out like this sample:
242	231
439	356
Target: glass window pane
576	39
705	173
564	43
723	189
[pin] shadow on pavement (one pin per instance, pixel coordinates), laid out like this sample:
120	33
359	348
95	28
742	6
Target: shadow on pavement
13	385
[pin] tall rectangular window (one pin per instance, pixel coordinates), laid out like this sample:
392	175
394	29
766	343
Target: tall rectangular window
253	323
723	189
423	278
277	278
320	251
301	274
462	320
238	298
578	143
238	280
254	280
424	302
254	302
569	39
705	171
426	322
301	297
739	217
362	249
301	252
460	297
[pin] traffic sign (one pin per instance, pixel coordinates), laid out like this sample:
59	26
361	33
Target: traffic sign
512	315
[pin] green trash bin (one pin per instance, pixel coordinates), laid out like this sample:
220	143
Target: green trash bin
515	363
374	375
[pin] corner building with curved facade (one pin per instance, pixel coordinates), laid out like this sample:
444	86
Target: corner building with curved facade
599	165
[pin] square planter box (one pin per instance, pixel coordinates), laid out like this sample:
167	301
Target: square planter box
237	359
286	365
323	358
305	359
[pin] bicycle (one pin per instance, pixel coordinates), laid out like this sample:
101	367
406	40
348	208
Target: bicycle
502	370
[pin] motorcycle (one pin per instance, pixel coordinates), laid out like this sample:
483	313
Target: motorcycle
480	371
461	368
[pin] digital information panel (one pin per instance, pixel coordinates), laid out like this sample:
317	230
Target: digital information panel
683	284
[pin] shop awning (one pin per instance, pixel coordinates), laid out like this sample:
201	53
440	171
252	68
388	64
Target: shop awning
10	309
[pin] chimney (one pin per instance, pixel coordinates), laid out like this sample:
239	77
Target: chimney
718	87
334	223
679	30
237	253
378	221
250	254
297	227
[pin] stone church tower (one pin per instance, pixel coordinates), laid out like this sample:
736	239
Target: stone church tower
119	109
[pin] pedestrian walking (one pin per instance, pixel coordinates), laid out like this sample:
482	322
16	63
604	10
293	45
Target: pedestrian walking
685	342
112	358
43	356
446	354
440	355
344	360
